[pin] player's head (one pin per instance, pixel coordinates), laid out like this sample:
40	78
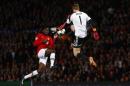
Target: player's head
75	7
45	30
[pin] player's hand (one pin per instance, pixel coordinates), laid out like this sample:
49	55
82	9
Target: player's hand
95	34
92	62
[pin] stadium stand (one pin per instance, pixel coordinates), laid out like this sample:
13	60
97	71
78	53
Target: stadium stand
19	22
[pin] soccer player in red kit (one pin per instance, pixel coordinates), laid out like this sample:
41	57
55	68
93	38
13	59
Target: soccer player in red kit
45	48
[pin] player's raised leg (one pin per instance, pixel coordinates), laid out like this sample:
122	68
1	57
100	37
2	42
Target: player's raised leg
41	67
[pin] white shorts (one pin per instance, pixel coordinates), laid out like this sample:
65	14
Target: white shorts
41	56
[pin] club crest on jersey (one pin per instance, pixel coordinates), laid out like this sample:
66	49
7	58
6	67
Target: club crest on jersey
47	40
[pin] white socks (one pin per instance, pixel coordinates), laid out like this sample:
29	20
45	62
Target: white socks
52	59
31	74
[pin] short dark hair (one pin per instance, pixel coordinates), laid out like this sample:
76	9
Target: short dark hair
42	26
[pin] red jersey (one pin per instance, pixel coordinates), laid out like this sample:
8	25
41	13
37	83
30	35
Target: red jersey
43	41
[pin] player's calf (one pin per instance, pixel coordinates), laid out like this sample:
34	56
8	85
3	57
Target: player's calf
50	53
52	59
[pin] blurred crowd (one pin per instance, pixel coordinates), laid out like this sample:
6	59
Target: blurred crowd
20	20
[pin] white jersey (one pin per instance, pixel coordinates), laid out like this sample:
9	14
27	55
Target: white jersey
79	20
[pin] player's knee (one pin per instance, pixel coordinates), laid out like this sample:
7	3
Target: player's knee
43	61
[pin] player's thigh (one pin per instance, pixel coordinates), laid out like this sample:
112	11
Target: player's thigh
42	57
43	60
78	42
41	53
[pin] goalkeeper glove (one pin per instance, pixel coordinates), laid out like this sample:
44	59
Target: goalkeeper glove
95	34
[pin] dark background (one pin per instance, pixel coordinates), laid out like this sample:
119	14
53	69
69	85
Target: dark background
20	21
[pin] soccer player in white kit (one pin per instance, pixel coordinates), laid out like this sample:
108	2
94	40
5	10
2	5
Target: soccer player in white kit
80	23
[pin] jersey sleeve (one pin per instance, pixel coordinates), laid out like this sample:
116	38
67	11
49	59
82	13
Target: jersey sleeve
37	40
69	19
88	18
51	43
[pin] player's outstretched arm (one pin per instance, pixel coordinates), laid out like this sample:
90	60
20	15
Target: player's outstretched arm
92	26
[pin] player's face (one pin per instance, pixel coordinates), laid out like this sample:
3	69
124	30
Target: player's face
45	31
74	10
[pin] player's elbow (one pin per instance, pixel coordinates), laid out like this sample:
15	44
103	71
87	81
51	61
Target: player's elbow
91	24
